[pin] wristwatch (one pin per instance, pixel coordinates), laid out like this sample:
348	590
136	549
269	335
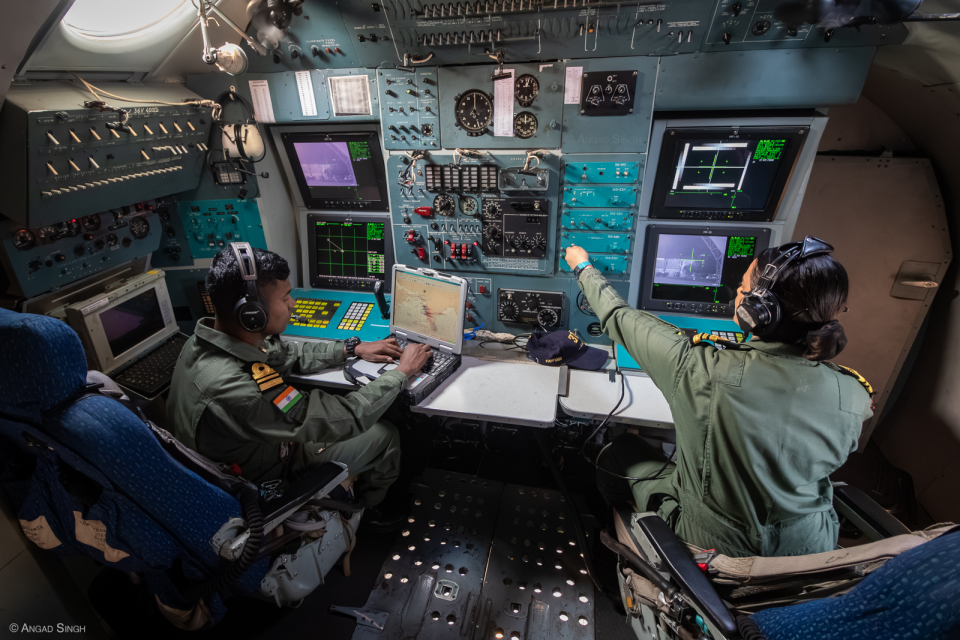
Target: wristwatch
577	270
351	345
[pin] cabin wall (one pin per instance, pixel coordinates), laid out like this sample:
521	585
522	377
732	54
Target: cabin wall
921	433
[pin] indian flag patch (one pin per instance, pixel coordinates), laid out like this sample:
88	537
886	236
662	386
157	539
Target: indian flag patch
287	398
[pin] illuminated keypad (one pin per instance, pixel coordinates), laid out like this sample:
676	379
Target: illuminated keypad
732	336
314	313
356	316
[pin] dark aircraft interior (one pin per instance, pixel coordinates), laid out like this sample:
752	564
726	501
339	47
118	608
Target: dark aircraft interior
571	225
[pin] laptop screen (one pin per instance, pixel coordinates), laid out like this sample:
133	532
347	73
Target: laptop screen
132	322
427	306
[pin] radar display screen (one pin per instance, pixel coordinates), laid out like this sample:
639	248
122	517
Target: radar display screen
348	253
694	269
723	174
131	322
338	170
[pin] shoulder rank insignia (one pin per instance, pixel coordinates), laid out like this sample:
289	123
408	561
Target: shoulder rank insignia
718	342
264	376
853	374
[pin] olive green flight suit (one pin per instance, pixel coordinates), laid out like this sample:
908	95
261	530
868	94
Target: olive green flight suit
758	430
227	402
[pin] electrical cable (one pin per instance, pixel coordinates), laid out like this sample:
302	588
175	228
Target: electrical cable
190	103
583	449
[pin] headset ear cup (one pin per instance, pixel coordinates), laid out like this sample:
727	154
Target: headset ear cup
251	314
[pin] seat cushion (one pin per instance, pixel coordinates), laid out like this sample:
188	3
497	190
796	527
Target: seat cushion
915	595
41	363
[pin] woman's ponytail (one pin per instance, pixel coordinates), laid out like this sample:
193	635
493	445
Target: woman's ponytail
826	342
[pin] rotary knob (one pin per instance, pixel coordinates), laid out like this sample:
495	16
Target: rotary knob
548	318
509	311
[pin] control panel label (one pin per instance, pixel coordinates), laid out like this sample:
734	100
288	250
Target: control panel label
520	264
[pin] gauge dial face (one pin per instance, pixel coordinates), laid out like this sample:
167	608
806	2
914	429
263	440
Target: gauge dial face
509	310
526	88
24	240
474	112
112	240
469	205
48	234
139	227
548	318
491	209
71	228
91	222
443	205
525	125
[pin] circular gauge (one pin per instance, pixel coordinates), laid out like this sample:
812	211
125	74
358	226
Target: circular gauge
112	240
540	242
79	250
469	205
525	125
24	240
98	244
443	205
584	305
474	112
548	318
48	234
526	88
139	227
492	231
91	222
70	228
491	209
126	242
509	311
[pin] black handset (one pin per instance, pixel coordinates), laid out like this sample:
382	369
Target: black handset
381	299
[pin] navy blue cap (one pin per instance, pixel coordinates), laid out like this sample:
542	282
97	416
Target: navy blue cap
564	347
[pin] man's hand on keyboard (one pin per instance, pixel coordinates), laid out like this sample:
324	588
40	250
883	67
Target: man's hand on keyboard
380	351
413	358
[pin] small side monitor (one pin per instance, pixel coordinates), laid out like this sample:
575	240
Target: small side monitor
697	270
348	252
338	170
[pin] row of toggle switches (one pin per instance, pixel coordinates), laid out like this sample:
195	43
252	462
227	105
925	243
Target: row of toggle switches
174	151
107	181
128	128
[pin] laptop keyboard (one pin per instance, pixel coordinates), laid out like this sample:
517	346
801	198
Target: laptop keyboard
439	361
155	370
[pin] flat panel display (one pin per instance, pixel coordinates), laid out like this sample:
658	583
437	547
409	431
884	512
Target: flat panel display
132	322
697	269
729	174
427	306
348	252
342	170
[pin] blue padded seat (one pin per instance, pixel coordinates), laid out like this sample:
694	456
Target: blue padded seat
915	595
155	513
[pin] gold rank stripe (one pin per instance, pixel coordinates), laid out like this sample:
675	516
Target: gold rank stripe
269	384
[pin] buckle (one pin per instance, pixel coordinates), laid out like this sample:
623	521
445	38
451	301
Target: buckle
703	560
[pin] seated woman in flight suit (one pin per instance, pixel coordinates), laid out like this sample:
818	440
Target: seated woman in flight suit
759	427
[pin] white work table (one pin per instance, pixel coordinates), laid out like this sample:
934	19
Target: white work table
508	392
591	395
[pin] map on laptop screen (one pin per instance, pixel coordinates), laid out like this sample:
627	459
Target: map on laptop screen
427	306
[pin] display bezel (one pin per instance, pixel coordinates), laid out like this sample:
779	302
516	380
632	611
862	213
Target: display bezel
318	281
666	171
289	138
649	303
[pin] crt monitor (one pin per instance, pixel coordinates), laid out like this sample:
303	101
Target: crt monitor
348	251
338	170
697	269
724	173
122	324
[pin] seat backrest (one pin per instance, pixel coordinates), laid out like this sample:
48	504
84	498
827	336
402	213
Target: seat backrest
102	485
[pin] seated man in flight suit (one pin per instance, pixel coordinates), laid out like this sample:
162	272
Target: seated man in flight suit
229	400
760	426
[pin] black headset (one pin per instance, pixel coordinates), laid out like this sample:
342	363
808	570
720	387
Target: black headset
759	313
249	312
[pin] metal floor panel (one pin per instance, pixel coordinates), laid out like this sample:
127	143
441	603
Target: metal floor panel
481	560
536	584
431	579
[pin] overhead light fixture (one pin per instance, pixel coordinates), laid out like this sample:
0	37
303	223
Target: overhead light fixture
229	58
271	18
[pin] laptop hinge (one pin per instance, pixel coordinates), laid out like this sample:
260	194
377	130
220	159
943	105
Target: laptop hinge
445	349
401	334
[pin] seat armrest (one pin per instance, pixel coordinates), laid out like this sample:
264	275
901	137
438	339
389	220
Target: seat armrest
865	513
692	583
316	483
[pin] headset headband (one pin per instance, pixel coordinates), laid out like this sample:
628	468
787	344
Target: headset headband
789	252
248	265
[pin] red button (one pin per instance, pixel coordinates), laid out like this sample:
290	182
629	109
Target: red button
426	212
421	253
483	289
469	305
